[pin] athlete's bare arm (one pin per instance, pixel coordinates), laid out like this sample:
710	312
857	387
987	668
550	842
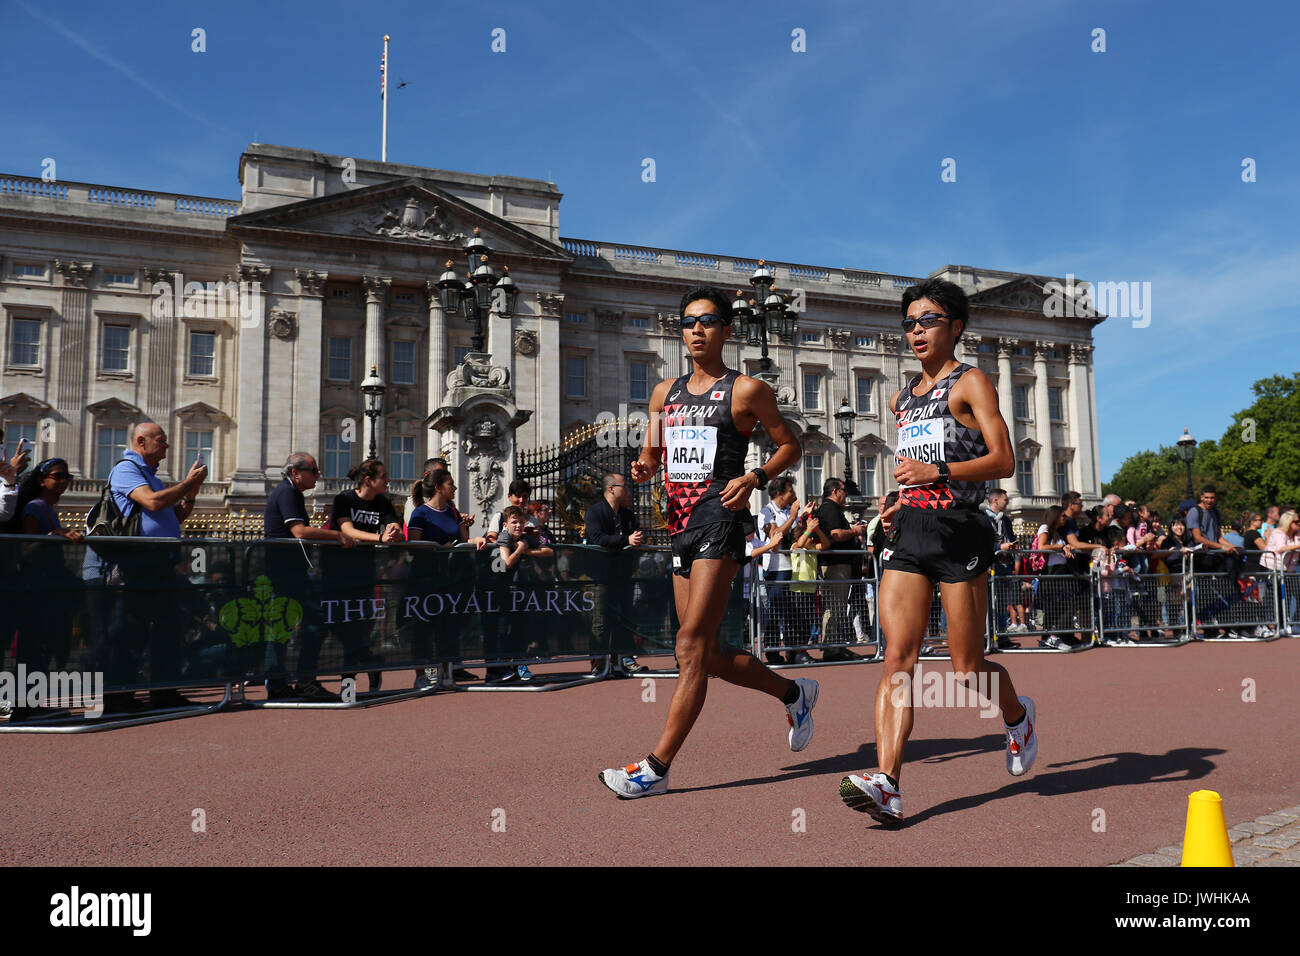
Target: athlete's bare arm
974	403
754	402
644	468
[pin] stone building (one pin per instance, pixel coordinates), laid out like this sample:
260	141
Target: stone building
246	326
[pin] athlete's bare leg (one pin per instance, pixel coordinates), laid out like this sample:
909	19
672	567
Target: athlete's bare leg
701	605
904	614
966	606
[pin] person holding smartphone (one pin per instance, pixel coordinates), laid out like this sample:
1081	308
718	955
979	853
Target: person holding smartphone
10	469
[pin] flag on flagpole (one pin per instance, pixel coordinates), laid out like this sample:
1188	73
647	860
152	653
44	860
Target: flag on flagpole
383	71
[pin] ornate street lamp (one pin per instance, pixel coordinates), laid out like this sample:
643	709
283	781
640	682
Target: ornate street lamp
373	389
481	293
773	316
1187	452
844	418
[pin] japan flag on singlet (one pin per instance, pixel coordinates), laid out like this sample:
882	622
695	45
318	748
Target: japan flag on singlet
716	396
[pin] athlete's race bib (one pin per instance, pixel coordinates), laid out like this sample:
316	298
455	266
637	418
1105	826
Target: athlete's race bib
921	440
691	449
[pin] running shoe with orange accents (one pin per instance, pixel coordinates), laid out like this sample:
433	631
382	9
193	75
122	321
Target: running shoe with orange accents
1022	741
634	780
872	795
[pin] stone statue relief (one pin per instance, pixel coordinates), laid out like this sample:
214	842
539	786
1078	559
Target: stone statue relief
477	371
484	447
410	221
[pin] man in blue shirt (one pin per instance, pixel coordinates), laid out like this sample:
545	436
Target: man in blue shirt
151	598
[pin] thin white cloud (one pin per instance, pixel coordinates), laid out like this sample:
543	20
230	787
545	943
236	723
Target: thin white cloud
120	67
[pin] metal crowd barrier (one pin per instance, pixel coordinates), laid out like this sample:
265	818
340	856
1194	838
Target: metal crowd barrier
836	617
161	614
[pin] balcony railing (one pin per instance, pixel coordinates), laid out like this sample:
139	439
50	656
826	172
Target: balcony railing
793	273
25	187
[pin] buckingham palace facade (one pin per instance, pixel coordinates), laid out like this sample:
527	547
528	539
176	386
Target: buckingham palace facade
245	327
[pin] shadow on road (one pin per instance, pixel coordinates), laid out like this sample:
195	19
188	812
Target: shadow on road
1118	770
1125	769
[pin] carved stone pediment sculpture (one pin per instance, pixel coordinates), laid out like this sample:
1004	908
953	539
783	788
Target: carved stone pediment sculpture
411	221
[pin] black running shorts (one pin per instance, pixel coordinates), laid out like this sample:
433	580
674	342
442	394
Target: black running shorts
712	542
949	545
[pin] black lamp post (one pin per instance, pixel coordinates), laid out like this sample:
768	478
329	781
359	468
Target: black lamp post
844	418
373	389
480	294
1187	452
773	315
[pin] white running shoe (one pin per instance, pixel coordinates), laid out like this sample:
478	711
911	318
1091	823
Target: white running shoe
634	780
799	714
1022	741
872	795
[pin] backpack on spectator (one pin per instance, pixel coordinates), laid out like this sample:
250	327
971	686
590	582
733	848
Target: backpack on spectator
1037	562
105	519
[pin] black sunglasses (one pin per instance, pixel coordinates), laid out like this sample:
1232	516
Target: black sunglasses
927	321
708	320
310	471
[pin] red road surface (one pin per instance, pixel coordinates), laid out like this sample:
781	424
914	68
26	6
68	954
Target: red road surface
1130	732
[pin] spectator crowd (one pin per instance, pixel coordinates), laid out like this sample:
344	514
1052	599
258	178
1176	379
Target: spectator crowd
1119	566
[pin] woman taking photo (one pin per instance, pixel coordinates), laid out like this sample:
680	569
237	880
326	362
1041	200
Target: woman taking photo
437	521
1055	598
45	618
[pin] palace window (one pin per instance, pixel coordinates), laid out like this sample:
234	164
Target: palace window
203	353
25	342
115	349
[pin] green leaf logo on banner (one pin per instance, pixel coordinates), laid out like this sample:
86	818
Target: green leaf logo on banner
268	618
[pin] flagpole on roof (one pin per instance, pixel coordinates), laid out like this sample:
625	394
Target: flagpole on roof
383	93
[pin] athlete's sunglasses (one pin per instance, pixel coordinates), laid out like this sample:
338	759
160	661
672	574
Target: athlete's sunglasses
927	321
708	320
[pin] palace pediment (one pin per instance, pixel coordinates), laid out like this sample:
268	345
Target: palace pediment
1019	295
406	213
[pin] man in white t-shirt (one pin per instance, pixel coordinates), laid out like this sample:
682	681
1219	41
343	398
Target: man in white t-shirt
775	520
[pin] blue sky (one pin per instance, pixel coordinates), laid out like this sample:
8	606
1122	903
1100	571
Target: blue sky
1118	166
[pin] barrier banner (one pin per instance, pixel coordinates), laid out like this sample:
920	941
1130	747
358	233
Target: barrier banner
153	613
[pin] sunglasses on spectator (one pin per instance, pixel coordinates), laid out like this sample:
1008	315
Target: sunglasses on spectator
708	320
927	321
310	471
59	476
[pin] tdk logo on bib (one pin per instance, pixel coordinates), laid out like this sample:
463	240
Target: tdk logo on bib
691	450
921	440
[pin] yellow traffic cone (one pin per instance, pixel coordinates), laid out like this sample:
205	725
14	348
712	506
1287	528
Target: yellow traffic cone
1205	841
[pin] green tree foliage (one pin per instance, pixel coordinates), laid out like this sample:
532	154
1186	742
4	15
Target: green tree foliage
1254	465
1260	448
1139	475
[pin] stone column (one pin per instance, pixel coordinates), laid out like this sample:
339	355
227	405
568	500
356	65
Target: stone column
72	370
307	387
500	339
550	387
1082	417
437	360
250	415
376	291
1043	421
1007	405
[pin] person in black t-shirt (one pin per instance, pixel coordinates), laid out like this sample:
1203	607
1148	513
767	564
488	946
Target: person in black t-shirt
366	514
837	566
285	517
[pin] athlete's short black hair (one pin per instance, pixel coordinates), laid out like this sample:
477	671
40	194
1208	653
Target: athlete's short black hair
721	301
949	296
